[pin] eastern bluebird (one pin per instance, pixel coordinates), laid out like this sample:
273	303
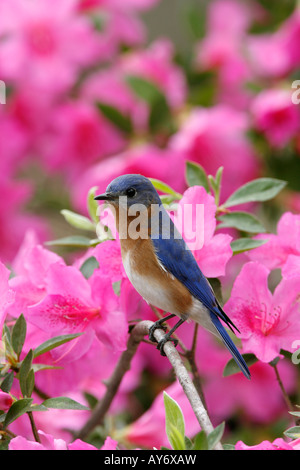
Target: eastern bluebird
160	265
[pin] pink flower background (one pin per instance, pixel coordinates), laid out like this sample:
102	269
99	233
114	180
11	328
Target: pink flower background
227	89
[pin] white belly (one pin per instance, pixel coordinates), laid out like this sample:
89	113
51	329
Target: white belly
155	294
151	291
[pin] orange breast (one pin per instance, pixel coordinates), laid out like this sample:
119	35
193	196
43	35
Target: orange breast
157	286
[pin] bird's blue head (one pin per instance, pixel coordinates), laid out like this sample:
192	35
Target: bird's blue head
137	189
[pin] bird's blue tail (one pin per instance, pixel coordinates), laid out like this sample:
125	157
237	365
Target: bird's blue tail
230	345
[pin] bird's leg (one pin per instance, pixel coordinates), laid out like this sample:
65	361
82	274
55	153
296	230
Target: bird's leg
158	324
168	337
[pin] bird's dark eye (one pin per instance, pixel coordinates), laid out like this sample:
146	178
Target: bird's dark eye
130	192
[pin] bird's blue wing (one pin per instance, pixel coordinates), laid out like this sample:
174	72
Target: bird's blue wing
178	260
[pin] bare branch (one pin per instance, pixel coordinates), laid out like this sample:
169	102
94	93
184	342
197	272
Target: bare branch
136	336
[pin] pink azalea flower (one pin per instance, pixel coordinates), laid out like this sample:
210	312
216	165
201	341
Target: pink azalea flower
268	323
211	251
74	304
212	51
260	401
78	136
109	444
108	255
214	137
291	267
78	444
108	86
6	294
32	111
5	401
275	253
277	444
14	219
123	4
14	146
223	49
280	47
276	116
30	268
156	64
48	442
149	430
46	42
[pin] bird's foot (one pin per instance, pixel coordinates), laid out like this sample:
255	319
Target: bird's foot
157	325
163	341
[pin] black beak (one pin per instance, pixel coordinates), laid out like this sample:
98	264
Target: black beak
104	197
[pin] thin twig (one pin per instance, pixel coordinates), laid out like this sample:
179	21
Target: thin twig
284	393
33	427
190	356
136	336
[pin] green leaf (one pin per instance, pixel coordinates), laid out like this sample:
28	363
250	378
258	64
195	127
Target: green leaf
37	407
63	403
215	436
121	121
200	441
232	367
144	89
293	433
6	337
38	367
175	428
195	175
89	266
91	399
74	241
7	382
188	443
160	116
228	447
93	205
18	334
54	343
4	442
25	382
216	287
78	221
117	287
218	178
274	361
165	188
175	438
259	190
17	409
168	201
245	244
30	383
242	221
295	413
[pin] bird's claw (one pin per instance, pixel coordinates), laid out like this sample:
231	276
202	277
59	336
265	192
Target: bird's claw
153	328
163	341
